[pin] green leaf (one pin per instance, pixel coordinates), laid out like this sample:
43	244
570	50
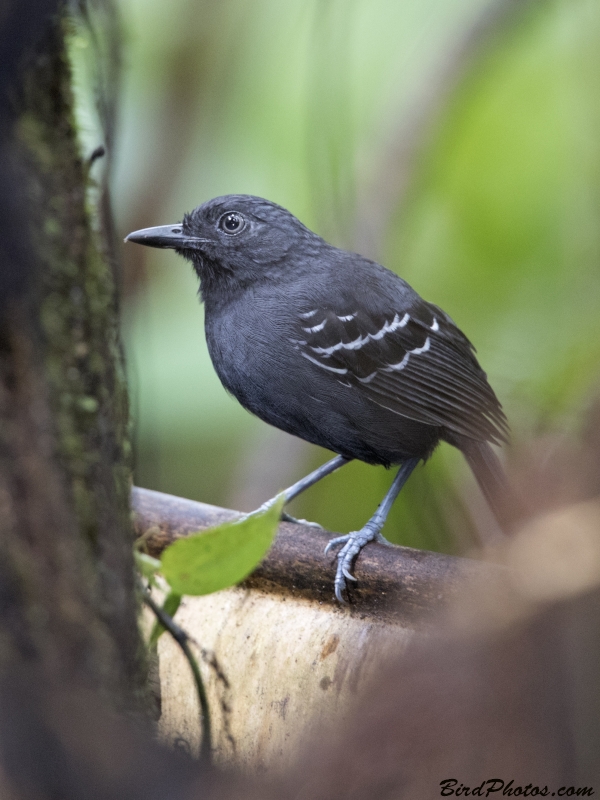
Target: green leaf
223	556
170	607
147	565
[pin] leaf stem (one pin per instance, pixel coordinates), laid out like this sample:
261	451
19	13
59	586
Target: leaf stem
182	639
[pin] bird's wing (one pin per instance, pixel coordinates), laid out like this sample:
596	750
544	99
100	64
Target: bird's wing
416	363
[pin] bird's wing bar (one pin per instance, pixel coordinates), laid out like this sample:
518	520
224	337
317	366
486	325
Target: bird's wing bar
415	362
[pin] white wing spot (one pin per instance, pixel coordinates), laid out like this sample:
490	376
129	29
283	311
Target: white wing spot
435	326
418	350
327	351
324	366
316	328
389	328
348	318
401	364
369	378
309	314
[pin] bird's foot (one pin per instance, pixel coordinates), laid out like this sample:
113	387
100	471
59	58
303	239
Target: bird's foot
352	543
285	517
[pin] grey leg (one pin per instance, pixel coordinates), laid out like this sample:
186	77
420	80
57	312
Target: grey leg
307	482
315	477
355	541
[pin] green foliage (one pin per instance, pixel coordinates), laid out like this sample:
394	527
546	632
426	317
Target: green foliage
222	556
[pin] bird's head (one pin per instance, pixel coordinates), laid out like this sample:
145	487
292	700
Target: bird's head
235	240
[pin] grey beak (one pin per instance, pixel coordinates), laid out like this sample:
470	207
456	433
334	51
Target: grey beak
169	236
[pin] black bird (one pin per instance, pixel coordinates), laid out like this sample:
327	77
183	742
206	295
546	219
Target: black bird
334	348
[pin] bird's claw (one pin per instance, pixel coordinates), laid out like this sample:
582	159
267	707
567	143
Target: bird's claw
338	540
353	543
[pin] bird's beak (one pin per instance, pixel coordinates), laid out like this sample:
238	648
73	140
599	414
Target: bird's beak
169	236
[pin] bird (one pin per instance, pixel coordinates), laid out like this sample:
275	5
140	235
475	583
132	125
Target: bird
334	348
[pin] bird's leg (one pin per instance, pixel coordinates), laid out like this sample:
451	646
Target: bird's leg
314	477
305	483
310	480
355	541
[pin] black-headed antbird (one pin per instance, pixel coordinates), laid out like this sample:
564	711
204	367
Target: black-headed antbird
334	348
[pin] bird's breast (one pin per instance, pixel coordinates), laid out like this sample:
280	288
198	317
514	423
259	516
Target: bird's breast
249	347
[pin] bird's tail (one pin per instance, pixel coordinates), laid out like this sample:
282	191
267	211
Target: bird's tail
493	482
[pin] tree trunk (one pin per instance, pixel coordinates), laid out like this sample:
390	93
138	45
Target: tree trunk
67	599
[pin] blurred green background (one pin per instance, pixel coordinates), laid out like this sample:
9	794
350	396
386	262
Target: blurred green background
456	141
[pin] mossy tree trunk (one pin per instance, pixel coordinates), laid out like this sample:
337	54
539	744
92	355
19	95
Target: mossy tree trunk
67	597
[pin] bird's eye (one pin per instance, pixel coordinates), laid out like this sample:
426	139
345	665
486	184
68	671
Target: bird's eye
232	222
